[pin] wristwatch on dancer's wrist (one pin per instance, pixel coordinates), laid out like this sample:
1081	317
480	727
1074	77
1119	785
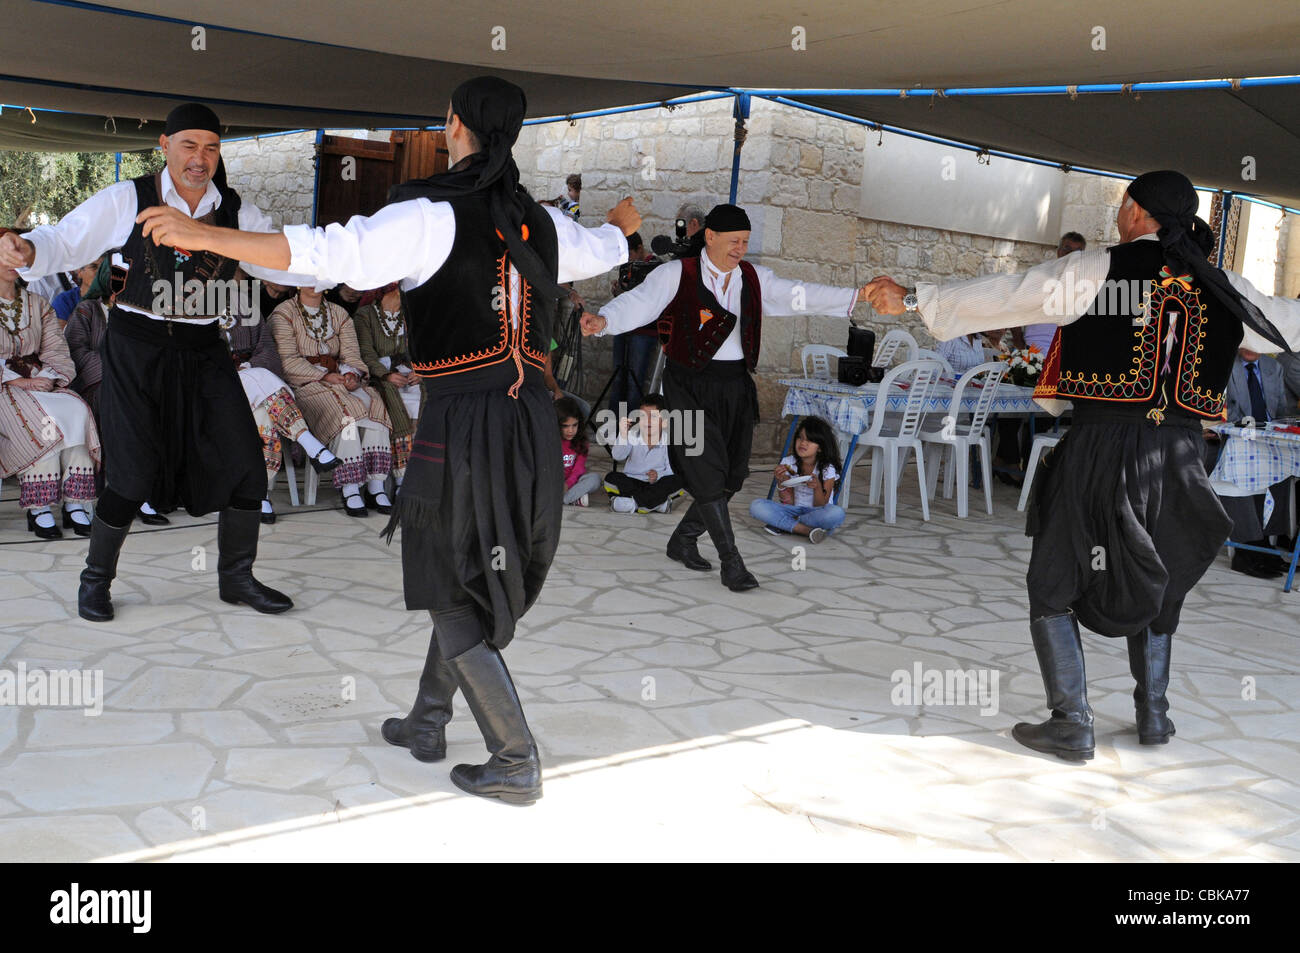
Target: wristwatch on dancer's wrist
909	300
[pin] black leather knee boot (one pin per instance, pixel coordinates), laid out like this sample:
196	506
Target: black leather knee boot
1068	733
237	532
717	518
682	544
423	730
93	601
514	772
1148	660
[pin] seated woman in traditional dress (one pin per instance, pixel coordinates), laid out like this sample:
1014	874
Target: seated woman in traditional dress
47	435
252	347
381	335
322	363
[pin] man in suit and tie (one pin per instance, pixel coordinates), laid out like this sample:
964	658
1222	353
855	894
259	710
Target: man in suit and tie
1257	393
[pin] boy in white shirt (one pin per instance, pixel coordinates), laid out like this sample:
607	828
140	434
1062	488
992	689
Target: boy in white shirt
647	481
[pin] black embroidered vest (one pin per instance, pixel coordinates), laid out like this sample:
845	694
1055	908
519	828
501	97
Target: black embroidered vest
1151	340
172	281
695	325
459	320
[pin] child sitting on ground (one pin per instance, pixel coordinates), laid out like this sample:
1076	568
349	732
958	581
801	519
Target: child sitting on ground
805	508
573	439
647	481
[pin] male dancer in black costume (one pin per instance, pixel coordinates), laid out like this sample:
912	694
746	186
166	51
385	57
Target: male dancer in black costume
479	263
710	311
1127	482
176	426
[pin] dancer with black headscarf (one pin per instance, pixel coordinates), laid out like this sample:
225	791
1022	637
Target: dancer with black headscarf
1123	518
176	426
478	262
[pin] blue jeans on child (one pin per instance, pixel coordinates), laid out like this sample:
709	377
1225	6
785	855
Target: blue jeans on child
785	515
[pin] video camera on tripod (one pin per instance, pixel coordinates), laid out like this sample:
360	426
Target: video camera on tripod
681	246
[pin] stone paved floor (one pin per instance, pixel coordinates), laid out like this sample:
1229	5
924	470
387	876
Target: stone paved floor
676	719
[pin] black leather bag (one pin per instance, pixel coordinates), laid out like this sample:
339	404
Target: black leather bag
862	343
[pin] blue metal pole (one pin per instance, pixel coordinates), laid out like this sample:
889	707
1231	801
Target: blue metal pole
117	170
1051	90
615	110
1255	201
741	112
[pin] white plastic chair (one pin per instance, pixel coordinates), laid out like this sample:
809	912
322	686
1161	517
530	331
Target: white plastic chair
1042	443
889	450
820	355
965	434
925	354
310	480
889	346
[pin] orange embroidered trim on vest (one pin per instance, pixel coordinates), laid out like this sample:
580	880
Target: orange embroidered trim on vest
1138	384
481	358
1187	394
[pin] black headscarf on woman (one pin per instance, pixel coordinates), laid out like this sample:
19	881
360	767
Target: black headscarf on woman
493	109
1169	198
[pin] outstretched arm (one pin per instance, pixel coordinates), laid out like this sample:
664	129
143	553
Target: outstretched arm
101	222
407	241
1057	292
637	307
587	252
782	296
1283	312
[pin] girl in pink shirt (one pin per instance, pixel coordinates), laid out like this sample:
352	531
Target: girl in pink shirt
573	440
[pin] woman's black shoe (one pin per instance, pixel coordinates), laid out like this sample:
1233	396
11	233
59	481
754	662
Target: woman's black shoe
323	467
153	519
372	502
268	518
81	529
355	510
42	532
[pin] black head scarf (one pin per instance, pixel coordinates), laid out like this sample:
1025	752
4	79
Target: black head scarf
493	109
1170	199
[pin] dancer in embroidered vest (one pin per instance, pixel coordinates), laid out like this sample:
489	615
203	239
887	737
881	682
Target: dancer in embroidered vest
710	314
478	262
1123	517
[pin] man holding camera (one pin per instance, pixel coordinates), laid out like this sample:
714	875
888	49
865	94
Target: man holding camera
709	311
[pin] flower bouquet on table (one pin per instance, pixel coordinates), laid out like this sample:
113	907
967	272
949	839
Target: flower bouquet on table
1025	364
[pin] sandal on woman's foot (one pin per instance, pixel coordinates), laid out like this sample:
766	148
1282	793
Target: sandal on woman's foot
355	510
379	502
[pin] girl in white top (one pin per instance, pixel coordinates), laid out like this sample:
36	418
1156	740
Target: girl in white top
805	508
